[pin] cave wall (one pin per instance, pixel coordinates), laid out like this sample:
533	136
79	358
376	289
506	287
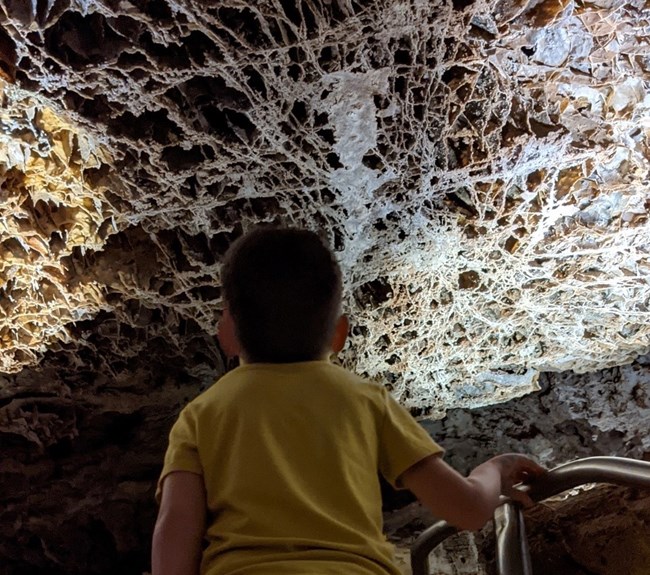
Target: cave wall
95	454
81	453
597	531
602	530
573	416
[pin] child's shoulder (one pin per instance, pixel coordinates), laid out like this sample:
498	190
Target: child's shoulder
357	383
326	375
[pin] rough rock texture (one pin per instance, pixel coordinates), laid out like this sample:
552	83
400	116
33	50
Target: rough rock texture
53	179
81	452
602	530
480	168
574	416
581	536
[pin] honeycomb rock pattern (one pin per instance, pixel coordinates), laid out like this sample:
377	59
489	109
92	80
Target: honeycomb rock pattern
53	205
481	169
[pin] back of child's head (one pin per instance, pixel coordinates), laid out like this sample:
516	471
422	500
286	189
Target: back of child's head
283	289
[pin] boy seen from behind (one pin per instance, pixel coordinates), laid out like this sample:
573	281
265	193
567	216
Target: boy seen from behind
274	469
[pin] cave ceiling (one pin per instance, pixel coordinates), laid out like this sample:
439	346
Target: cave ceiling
481	169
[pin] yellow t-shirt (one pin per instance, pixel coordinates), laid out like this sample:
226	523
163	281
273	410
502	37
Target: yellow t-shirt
289	454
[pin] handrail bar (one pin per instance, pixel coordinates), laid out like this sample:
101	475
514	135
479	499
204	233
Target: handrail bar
616	470
513	555
426	542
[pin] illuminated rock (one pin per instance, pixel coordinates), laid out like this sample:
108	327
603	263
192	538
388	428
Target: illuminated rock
481	169
53	205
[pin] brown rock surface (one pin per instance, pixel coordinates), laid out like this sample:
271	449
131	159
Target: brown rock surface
604	531
599	531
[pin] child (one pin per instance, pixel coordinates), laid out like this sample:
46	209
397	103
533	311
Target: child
274	469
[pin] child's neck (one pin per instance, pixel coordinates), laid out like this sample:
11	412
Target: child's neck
324	357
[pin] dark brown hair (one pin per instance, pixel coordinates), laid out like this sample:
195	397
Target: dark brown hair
283	288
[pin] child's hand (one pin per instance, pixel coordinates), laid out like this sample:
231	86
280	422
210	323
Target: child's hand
516	469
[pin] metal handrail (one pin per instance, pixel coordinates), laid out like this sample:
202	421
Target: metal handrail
428	540
513	557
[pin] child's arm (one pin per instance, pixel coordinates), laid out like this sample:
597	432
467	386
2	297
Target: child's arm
180	527
469	502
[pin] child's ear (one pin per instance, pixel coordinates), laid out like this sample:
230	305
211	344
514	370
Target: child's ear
340	334
227	336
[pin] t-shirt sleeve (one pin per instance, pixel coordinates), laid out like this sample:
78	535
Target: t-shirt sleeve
403	442
182	452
